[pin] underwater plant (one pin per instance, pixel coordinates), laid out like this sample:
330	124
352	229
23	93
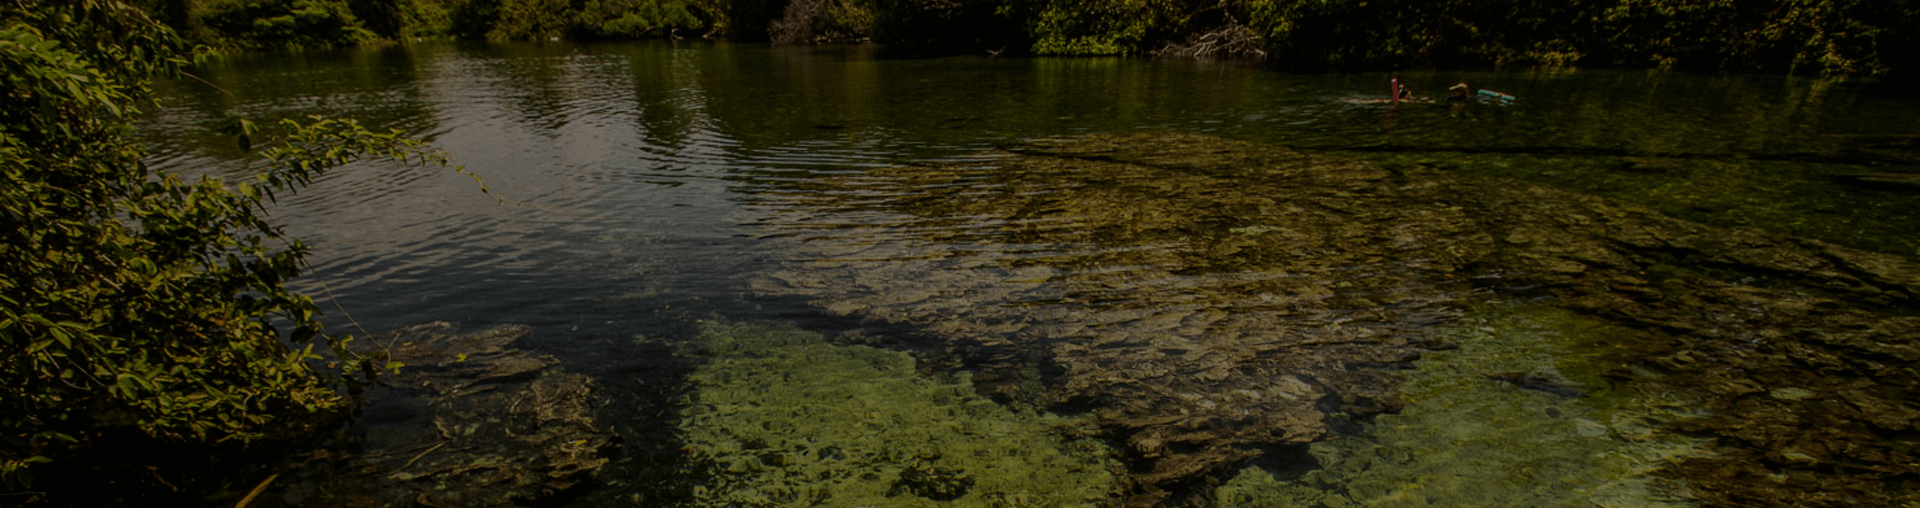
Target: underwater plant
780	416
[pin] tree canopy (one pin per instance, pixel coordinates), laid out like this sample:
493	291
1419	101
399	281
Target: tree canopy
1834	37
133	301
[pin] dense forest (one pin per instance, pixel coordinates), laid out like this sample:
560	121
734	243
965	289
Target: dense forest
1832	37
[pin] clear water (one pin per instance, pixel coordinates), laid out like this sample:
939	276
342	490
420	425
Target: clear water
637	174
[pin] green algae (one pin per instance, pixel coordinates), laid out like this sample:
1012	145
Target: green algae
1204	301
1466	438
780	416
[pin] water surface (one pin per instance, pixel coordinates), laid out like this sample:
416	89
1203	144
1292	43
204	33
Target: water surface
651	186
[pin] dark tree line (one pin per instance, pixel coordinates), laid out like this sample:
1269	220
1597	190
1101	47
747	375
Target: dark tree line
1842	37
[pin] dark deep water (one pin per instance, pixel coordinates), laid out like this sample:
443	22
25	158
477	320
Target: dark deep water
653	188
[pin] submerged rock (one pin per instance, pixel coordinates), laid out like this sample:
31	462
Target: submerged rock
1203	300
469	421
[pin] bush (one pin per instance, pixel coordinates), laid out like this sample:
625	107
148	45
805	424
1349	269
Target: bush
403	19
282	24
1101	27
645	18
132	301
822	21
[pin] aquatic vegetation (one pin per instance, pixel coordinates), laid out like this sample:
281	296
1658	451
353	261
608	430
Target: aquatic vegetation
1205	299
1468	439
783	417
1191	339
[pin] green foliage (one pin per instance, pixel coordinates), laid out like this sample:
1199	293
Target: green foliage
403	19
530	20
646	18
131	300
540	20
1836	37
818	21
1100	27
1830	36
277	24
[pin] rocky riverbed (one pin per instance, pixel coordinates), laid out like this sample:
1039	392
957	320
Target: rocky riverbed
469	421
1206	302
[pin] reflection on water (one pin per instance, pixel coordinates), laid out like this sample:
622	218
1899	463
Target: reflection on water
1203	303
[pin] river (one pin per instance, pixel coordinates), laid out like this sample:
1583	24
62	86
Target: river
1059	237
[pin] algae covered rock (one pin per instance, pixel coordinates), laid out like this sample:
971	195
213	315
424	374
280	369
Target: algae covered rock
782	417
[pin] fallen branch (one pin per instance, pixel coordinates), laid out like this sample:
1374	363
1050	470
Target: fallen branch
416	458
257	489
1232	40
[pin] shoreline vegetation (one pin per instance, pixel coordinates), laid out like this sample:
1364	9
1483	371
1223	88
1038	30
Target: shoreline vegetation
1826	37
149	346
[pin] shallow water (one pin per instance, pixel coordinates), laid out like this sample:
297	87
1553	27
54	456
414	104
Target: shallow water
653	185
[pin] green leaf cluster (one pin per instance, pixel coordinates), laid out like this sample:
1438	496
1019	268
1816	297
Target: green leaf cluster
279	24
539	20
642	18
1100	27
132	300
822	21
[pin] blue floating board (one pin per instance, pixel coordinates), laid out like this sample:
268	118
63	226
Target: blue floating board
1497	96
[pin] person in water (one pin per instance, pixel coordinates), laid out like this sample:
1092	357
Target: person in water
1457	98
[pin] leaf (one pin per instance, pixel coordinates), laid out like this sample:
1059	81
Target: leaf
242	131
128	388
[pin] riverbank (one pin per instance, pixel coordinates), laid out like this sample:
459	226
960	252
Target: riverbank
1827	37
